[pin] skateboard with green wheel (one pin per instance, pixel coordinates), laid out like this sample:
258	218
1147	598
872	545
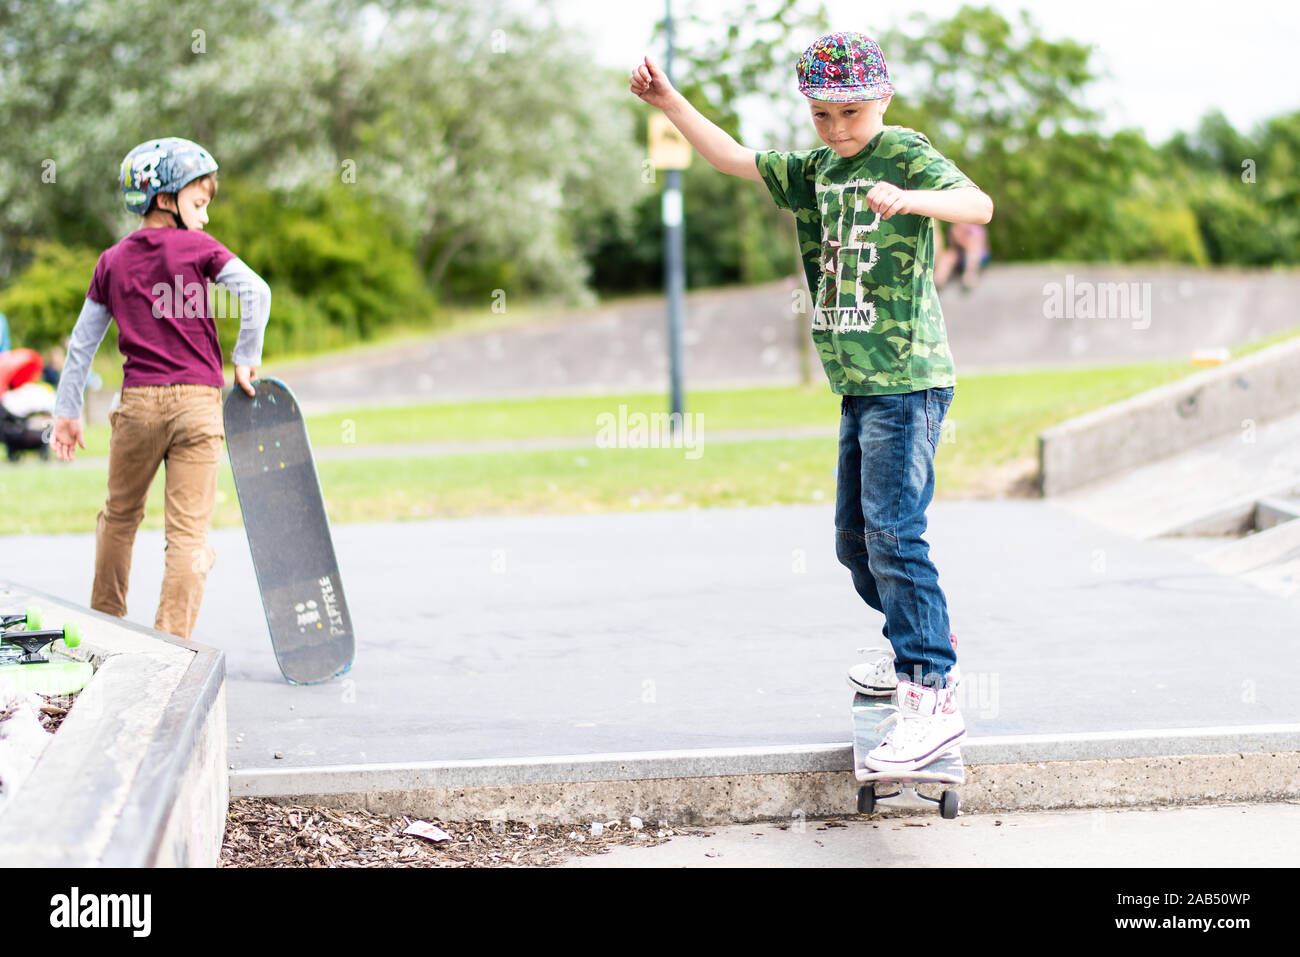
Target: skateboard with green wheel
30	619
23	666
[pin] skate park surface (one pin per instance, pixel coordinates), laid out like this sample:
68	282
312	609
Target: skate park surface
571	635
707	637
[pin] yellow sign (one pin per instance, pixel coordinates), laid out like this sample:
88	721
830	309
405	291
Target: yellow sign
668	148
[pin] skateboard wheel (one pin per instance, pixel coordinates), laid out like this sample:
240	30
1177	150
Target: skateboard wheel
949	804
71	634
33	619
866	799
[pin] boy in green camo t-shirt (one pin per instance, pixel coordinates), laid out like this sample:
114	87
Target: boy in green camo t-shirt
876	317
864	205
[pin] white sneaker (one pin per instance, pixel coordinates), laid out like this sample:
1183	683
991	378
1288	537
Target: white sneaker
928	725
877	678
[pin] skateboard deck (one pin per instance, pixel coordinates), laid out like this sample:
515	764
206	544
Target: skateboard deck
48	678
875	788
288	533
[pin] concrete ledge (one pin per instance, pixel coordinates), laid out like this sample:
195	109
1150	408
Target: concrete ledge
1278	543
1271	512
1242	515
1232	520
1182	779
1169	419
736	785
136	775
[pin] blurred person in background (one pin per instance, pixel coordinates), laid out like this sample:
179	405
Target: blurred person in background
967	252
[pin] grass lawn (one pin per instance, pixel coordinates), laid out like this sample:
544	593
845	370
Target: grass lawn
990	435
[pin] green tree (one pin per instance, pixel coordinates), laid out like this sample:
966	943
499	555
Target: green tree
1244	187
1214	146
462	120
1005	104
742	64
84	81
338	272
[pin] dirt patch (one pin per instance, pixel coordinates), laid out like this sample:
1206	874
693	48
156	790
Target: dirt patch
262	833
1015	479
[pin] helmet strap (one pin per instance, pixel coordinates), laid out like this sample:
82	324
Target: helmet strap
175	211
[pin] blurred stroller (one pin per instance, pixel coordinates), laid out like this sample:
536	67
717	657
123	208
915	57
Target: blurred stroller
26	405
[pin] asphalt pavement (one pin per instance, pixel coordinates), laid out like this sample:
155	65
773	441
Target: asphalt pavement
518	637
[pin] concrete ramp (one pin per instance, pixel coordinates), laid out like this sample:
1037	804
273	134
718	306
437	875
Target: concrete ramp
1211	489
1233	503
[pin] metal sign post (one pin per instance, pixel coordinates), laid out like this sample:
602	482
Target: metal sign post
674	258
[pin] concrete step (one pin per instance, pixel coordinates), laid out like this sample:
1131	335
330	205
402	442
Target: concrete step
1269	559
1270	512
1206	490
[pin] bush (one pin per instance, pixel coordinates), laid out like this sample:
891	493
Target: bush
1158	227
1238	228
44	300
339	273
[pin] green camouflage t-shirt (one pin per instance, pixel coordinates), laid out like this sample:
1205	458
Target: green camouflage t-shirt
876	322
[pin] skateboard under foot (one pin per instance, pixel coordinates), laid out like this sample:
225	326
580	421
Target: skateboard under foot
898	789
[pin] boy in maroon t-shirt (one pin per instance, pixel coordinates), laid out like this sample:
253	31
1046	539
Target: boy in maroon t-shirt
154	284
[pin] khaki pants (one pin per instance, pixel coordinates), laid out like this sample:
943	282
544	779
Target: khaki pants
179	425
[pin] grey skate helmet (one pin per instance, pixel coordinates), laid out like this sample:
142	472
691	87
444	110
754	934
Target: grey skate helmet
161	166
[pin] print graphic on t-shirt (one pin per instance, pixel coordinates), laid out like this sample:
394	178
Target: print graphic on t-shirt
848	254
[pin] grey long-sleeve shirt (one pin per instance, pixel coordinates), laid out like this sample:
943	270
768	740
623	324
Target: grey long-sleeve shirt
254	310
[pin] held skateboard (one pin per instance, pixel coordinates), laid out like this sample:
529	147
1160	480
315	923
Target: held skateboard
23	667
288	533
897	789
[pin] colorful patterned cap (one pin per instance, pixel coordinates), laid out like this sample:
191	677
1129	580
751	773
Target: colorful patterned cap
843	68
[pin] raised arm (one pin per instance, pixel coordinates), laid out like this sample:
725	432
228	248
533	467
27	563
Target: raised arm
712	142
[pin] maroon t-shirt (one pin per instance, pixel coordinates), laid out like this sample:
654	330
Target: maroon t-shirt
155	285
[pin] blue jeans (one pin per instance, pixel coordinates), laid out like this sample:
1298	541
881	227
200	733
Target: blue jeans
886	481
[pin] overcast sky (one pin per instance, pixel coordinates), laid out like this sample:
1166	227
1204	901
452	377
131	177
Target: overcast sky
1169	62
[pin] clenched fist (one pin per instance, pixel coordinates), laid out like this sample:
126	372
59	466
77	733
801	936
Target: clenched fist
651	84
887	199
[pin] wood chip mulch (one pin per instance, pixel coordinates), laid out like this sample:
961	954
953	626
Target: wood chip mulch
52	712
262	833
55	709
